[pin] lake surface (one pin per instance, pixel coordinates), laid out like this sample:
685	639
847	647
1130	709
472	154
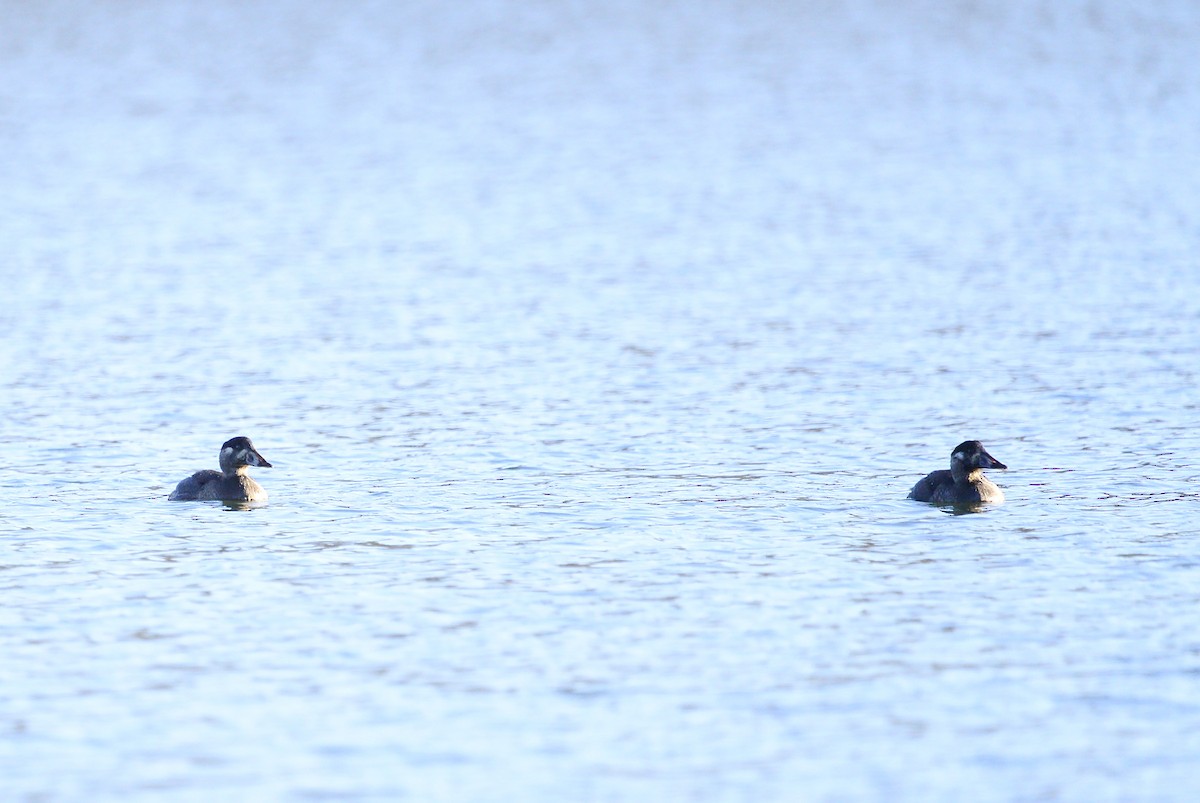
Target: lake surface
596	347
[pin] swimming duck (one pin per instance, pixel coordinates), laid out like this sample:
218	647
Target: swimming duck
964	482
231	483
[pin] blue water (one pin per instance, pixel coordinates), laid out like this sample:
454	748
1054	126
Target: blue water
595	348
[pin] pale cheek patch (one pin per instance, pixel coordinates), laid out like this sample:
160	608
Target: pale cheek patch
226	453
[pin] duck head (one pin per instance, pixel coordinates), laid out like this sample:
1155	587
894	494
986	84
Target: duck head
237	454
969	457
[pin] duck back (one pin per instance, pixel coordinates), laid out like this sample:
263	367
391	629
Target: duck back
189	489
931	486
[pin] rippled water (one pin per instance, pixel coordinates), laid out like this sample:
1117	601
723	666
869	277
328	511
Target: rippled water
595	347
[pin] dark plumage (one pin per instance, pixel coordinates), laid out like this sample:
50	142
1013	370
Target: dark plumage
964	482
231	483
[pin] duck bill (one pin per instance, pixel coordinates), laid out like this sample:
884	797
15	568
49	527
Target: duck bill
993	462
253	458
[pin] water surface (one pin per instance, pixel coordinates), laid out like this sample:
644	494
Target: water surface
595	347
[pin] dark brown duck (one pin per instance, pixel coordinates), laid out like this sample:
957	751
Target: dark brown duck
231	483
964	482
